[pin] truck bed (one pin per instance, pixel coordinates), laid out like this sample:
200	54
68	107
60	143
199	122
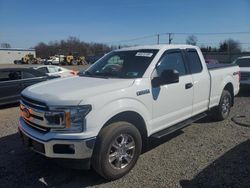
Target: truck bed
219	66
220	73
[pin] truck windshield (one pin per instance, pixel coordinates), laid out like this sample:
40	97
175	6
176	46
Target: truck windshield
122	64
243	62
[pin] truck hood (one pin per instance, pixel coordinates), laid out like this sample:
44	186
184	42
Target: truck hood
72	90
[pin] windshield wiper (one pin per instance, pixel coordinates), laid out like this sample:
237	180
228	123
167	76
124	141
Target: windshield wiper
108	74
86	73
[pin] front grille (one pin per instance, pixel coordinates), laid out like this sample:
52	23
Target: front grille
36	126
245	76
34	103
36	114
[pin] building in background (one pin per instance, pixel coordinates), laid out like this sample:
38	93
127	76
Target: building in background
9	55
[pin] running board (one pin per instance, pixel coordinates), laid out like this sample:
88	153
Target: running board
178	126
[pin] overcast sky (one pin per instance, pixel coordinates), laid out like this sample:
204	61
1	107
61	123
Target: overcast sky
25	23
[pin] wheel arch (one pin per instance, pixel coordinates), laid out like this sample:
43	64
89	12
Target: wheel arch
131	117
229	87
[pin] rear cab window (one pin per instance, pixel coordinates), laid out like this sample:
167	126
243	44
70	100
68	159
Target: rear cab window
194	61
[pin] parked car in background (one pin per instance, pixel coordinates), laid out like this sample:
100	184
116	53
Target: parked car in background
14	80
211	61
53	70
244	64
52	61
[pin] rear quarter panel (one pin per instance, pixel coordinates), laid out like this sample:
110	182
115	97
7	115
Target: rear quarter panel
219	79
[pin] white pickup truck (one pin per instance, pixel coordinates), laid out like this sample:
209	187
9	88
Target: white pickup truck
105	115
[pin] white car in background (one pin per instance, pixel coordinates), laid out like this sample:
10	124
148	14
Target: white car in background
244	64
53	70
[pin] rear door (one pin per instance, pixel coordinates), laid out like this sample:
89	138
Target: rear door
10	86
201	81
172	103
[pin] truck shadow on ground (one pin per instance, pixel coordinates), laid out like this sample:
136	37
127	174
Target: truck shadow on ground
230	170
21	167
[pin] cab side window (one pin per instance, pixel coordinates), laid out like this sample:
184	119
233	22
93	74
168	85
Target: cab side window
172	60
194	61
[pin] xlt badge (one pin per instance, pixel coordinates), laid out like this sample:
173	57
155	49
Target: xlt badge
142	92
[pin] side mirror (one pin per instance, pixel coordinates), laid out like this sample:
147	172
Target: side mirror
169	76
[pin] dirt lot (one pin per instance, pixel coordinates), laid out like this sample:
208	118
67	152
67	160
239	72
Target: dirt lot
205	154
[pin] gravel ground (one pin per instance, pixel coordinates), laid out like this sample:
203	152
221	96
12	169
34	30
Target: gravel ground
205	154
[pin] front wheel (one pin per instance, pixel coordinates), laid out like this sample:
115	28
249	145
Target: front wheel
117	150
221	112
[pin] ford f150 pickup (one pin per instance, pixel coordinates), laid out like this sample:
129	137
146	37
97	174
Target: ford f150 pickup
105	115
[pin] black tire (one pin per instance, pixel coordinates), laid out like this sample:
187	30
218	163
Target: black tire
104	146
222	111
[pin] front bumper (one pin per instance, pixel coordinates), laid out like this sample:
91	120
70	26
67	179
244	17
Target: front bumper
59	148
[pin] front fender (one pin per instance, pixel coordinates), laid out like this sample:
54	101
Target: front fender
99	116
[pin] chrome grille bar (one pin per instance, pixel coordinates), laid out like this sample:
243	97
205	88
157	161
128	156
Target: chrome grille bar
39	119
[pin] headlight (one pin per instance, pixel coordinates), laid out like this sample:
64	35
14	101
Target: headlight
70	119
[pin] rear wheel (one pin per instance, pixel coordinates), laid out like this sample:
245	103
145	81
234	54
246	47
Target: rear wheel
117	149
222	111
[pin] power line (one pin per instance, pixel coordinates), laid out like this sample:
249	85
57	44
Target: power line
216	33
170	36
133	39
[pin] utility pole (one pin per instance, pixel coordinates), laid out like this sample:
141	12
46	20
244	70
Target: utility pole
158	38
170	38
229	51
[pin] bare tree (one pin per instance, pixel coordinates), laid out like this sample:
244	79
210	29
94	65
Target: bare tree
70	46
230	45
192	40
5	45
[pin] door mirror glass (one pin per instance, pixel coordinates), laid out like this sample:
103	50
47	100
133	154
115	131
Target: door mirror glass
169	76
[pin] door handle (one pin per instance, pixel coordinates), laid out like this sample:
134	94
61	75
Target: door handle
188	85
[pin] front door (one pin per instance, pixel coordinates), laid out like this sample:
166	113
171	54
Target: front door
172	103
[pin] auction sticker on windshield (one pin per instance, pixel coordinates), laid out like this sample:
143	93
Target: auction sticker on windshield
144	54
